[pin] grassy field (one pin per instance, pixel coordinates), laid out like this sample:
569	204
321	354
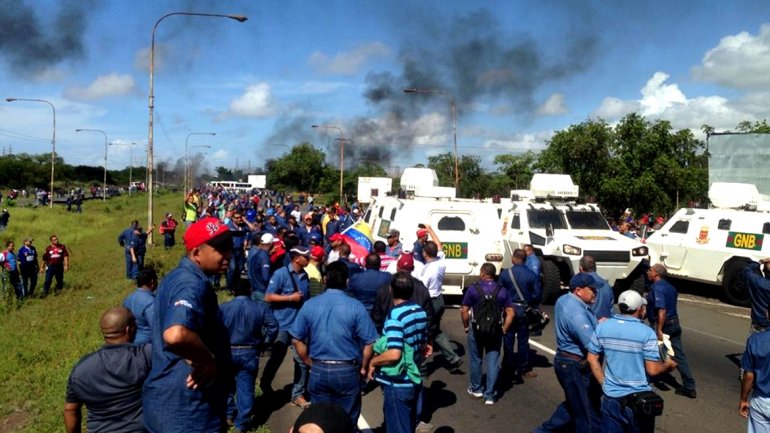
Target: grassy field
41	339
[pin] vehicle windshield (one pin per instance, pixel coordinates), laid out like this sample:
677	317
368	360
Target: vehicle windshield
587	220
542	218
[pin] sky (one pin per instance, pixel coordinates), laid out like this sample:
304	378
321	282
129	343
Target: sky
517	71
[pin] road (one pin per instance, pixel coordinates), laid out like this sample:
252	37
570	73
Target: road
713	336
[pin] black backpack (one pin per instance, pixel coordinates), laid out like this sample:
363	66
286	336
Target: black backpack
487	315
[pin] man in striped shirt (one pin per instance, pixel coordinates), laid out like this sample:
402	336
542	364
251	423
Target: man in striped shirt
405	346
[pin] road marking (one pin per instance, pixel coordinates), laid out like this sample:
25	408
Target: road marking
742	316
726	340
363	425
544	348
715	304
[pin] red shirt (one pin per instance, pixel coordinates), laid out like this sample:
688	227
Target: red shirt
55	254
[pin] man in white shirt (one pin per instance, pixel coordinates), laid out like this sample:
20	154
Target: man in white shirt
432	275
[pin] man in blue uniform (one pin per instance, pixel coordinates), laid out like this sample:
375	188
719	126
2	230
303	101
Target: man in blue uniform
663	317
190	379
364	285
252	327
286	292
124	240
240	228
755	383
630	350
521	283
109	381
757	277
479	344
605	299
533	261
574	327
141	303
29	266
334	334
259	266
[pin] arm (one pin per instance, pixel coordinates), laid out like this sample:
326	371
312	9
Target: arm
509	315
433	236
596	366
302	352
661	321
66	260
654	368
747	383
366	359
385	358
73	417
465	315
188	345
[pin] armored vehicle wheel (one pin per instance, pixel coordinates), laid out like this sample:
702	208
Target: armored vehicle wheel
734	287
551	282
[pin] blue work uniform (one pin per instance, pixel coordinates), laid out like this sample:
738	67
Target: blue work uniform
364	285
756	359
141	302
29	267
259	272
336	328
124	239
605	299
626	344
759	289
574	327
528	284
245	321
186	298
238	260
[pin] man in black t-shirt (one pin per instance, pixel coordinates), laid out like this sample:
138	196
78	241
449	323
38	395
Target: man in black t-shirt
109	381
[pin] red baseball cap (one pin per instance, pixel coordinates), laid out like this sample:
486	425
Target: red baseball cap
421	233
206	231
336	237
317	253
405	262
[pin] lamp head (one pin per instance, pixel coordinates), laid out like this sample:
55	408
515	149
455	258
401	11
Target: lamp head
410	90
78	130
239	18
10	99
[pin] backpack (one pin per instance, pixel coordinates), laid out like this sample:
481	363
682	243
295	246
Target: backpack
487	315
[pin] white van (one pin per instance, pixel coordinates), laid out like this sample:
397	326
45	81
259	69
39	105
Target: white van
714	245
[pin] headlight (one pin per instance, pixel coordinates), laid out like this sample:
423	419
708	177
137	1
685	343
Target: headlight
639	251
493	257
573	251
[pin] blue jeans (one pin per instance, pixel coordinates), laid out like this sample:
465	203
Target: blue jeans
520	332
339	384
51	272
620	418
29	280
759	414
476	350
400	407
240	404
234	270
277	354
129	264
579	412
674	330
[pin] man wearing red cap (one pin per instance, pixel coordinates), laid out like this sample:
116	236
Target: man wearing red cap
188	386
422	237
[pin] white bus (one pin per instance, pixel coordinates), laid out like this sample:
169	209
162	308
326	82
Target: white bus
228	184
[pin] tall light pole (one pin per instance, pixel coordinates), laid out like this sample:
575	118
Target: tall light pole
130	162
104	187
187	158
151	104
454	123
342	141
188	169
53	137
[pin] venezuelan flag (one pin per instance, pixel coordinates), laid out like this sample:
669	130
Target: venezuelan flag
359	237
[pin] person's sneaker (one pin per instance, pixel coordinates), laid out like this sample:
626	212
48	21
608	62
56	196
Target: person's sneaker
424	427
455	368
475	394
689	393
300	402
489	402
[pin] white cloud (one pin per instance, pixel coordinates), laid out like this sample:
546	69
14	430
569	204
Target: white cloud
614	108
347	63
739	61
257	101
431	130
104	86
553	105
658	96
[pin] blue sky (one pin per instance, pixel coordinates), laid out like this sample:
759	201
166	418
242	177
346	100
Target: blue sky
518	70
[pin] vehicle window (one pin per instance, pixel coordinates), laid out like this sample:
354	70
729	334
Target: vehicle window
542	218
766	228
393	214
382	232
516	221
454	224
499	213
382	210
587	220
680	227
368	215
724	224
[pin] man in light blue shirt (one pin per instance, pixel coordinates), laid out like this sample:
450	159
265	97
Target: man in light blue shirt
605	299
141	302
630	350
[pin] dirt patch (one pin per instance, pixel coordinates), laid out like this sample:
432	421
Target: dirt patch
14	422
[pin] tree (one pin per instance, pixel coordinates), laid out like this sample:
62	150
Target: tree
517	169
755	128
474	181
224	173
301	169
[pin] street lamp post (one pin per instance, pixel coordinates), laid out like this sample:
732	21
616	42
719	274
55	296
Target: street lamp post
151	104
104	187
53	137
342	141
130	162
187	159
454	123
188	169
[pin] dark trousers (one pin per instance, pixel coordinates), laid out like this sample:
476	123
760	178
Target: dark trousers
579	412
339	384
519	333
277	354
674	330
168	239
442	341
129	264
241	403
400	407
15	281
617	417
29	280
237	263
51	272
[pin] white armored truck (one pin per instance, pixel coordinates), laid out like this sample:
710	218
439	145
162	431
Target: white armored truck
714	245
562	231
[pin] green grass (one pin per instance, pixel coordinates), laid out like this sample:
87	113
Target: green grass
41	339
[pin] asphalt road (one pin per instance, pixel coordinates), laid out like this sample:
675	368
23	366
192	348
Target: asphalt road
713	336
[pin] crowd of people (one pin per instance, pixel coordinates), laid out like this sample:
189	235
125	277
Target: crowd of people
21	268
296	286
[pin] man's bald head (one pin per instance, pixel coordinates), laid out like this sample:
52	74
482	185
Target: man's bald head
118	325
